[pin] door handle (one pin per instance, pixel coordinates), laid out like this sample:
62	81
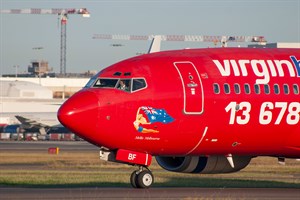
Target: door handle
192	85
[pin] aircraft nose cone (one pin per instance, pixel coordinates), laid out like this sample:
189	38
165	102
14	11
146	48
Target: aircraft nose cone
80	114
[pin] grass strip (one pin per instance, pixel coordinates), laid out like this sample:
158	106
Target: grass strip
85	170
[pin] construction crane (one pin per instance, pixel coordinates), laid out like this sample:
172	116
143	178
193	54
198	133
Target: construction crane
187	38
63	14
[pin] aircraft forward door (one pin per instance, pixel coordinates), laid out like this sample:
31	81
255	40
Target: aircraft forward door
192	87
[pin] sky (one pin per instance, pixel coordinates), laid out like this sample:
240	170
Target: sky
277	20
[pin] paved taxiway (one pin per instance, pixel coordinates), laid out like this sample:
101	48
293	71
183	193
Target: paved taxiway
29	146
126	193
9	193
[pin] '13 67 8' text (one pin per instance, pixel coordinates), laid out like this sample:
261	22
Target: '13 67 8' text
277	113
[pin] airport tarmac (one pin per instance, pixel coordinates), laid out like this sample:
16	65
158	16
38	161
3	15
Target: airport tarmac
94	192
8	193
29	146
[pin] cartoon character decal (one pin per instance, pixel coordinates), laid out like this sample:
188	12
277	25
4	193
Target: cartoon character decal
148	115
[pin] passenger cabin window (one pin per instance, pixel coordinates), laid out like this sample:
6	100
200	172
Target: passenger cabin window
296	89
237	88
286	89
257	89
226	88
247	88
267	89
276	89
216	88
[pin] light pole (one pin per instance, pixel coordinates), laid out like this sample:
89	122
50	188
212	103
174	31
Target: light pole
16	66
39	61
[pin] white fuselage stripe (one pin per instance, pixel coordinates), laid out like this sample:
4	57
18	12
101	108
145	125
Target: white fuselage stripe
203	135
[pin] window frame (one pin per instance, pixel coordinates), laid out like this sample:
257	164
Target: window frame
124	79
247	88
257	89
91	81
286	89
296	89
136	78
228	87
130	81
216	86
105	78
237	88
267	89
278	89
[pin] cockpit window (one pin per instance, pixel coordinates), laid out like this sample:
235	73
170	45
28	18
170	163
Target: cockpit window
124	84
91	82
106	83
128	85
138	84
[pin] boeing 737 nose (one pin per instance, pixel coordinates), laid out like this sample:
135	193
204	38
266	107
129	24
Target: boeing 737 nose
80	114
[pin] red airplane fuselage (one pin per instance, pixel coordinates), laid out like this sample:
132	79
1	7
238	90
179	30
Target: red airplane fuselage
201	102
